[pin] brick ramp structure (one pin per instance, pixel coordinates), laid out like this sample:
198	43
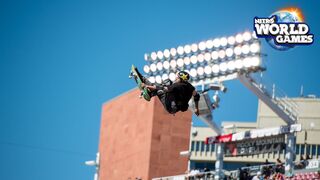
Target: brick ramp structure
139	139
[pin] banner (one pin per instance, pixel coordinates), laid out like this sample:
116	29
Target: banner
219	139
254	133
255	146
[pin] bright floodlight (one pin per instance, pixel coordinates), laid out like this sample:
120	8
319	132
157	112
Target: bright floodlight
207	56
255	61
173	64
216	43
154	56
237	50
215	68
146	56
231	40
254	48
159	66
180	62
231	65
166	65
239	63
152	79
153	67
207	70
146	69
200	58
194	59
187	49
214	55
200	71
247	62
180	50
173	52
209	44
245	49
222	54
246	36
202	46
164	77
223	41
166	53
239	38
194	47
193	72
172	76
229	52
186	61
158	79
223	66
160	55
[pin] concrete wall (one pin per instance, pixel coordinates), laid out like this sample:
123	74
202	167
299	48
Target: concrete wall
139	139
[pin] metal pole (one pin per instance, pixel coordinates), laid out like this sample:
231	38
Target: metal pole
190	143
219	161
290	153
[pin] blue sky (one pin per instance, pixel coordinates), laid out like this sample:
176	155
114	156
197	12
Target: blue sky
61	60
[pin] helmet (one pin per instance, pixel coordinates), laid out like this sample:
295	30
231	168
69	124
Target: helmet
183	75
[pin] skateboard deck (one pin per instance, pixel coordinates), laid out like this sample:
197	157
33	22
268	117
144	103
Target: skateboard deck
144	91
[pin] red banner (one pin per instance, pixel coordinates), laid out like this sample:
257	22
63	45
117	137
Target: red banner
219	139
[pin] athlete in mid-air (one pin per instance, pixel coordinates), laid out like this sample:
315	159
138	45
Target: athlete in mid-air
174	95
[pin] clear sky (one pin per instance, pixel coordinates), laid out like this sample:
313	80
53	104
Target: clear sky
61	60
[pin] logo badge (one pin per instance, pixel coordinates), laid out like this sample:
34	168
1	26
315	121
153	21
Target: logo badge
284	29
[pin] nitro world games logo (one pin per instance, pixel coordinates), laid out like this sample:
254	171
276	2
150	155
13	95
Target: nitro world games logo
284	29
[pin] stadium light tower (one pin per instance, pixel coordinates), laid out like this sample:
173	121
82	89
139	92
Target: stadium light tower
209	63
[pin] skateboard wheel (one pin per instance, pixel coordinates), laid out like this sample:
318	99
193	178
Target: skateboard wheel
130	76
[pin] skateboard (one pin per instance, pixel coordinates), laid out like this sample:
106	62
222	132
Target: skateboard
144	91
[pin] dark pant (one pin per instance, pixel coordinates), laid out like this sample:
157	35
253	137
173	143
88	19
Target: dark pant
166	99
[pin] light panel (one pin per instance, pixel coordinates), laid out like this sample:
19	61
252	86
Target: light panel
207	60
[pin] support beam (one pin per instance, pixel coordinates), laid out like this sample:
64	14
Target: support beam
246	80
